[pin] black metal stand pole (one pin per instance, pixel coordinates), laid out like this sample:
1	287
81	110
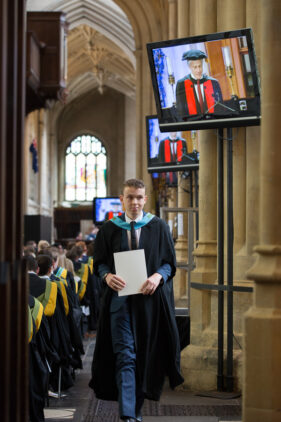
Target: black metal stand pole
191	189
229	376
196	203
220	377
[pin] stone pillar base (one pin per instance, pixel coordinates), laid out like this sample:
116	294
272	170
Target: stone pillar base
199	367
200	300
261	399
180	279
180	285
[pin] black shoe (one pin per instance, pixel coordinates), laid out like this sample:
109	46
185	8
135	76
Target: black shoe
128	420
139	417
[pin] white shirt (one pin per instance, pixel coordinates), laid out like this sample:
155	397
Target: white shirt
173	145
201	86
138	231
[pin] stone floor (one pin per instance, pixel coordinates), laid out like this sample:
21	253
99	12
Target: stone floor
80	405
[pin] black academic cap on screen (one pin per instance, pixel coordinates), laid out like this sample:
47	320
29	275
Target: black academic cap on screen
194	55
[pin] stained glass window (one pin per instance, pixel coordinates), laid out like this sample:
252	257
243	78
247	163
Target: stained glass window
85	169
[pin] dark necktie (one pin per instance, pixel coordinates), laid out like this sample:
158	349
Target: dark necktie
200	95
173	158
133	236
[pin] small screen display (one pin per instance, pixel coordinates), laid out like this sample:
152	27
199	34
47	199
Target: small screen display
170	151
106	208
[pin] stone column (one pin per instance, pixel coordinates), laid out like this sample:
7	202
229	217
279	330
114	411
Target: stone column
172	18
41	159
183	18
204	14
253	135
180	280
26	167
262	345
206	251
231	16
143	107
172	192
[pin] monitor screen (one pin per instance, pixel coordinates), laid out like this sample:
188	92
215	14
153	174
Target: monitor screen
106	208
170	151
206	81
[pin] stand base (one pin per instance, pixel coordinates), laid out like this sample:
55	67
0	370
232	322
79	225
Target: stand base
223	395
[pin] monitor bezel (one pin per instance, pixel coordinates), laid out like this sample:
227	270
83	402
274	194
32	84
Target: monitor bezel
98	222
163	167
249	120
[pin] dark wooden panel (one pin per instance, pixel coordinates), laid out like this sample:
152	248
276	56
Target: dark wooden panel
50	29
37	227
5	356
4	268
3	110
67	220
20	276
32	61
13	299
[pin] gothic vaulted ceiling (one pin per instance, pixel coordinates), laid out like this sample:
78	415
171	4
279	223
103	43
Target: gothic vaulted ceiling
100	45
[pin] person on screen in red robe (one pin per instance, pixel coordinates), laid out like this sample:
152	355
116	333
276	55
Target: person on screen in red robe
197	93
172	149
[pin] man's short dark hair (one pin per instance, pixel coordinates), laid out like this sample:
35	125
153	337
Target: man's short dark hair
30	263
134	183
45	262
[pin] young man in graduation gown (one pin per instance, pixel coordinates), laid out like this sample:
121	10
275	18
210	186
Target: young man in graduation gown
197	93
137	343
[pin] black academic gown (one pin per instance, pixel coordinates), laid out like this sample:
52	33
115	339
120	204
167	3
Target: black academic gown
74	325
59	334
38	375
153	318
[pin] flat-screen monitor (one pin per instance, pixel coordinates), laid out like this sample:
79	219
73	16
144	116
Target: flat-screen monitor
106	208
169	151
206	81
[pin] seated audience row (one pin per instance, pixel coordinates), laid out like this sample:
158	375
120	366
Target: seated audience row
64	297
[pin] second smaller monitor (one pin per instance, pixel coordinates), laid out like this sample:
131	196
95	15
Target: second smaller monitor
169	151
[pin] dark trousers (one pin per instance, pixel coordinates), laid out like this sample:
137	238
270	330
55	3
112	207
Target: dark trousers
130	396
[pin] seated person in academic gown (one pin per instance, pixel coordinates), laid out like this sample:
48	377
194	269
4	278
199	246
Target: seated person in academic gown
60	335
38	367
71	306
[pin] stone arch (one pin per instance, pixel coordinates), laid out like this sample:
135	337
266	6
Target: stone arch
87	114
146	18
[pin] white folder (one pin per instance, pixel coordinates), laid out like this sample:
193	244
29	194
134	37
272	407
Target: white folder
131	266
